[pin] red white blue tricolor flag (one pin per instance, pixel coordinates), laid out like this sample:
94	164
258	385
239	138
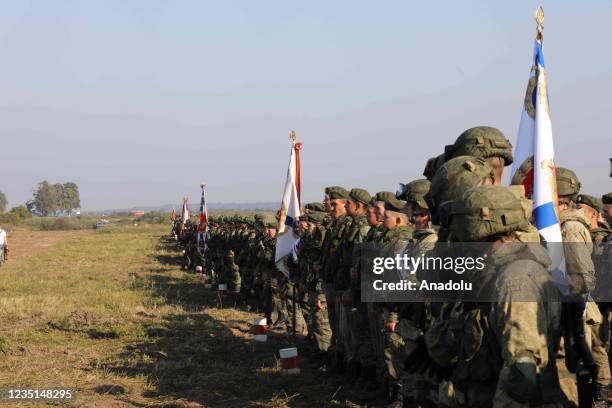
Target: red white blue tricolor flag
290	211
535	142
202	234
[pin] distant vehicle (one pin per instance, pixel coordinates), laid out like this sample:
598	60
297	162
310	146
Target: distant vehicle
101	223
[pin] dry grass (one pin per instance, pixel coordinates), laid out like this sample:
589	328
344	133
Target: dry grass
110	313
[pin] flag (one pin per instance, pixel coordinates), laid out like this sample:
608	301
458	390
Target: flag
290	210
202	235
535	142
173	215
184	216
185	212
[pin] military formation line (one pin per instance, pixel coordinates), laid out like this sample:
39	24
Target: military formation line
552	351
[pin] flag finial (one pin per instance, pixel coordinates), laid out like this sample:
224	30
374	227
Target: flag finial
292	136
539	17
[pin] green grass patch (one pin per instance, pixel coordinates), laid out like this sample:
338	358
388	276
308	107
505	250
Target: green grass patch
110	313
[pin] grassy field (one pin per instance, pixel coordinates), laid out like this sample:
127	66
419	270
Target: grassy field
110	313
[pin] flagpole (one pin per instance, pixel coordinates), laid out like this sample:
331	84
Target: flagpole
297	146
539	17
293	137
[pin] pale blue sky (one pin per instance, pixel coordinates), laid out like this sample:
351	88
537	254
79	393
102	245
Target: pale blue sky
138	101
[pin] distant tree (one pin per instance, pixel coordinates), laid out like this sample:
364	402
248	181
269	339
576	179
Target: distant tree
21	212
59	194
3	202
71	198
46	200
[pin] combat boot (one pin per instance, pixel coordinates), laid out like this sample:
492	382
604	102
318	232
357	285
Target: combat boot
280	323
394	396
601	396
326	361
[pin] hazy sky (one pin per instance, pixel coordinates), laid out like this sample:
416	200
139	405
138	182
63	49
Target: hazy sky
139	101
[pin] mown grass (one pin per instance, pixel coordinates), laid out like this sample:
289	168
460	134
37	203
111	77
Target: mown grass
110	313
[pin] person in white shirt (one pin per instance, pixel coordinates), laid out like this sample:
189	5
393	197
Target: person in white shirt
3	245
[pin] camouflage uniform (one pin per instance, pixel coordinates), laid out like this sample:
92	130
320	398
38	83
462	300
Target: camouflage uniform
270	295
395	241
449	182
578	250
373	310
353	329
506	347
318	322
330	261
601	236
232	276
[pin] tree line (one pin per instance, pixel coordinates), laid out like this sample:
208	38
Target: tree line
50	199
53	199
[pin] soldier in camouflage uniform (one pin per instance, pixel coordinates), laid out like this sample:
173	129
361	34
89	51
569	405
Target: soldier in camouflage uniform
601	235
398	233
191	256
507	347
335	197
449	183
268	274
372	373
319	330
353	316
232	273
244	258
412	318
291	297
578	249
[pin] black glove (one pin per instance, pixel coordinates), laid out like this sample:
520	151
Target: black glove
522	382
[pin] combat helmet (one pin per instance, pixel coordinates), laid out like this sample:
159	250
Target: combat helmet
482	141
414	192
486	211
433	164
455	177
568	184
